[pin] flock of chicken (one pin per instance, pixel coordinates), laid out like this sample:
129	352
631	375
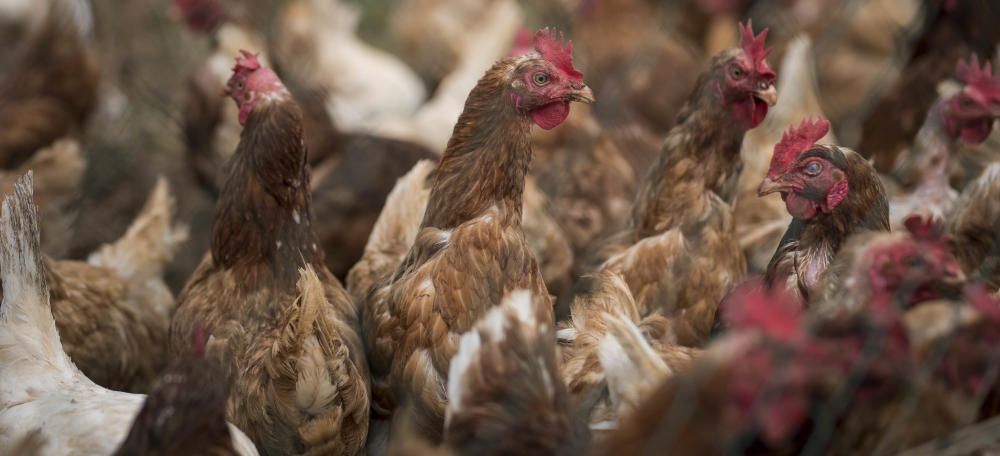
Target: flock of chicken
677	260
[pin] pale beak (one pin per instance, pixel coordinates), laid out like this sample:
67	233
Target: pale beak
769	186
582	95
768	95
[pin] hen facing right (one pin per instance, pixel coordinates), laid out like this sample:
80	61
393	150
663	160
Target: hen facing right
470	250
287	326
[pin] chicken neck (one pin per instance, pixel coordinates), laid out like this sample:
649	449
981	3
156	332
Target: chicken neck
701	155
486	160
263	221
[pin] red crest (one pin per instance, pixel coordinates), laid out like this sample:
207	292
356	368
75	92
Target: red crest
794	142
979	80
246	62
753	47
552	48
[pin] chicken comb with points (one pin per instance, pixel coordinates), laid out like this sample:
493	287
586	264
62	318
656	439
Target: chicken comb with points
246	62
753	47
979	80
794	142
551	47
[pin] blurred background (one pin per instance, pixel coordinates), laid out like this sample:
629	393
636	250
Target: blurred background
871	60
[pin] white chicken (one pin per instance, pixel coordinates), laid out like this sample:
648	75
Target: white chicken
365	86
41	391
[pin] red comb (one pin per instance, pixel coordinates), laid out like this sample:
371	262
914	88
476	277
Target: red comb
523	42
795	141
551	47
979	80
924	228
247	62
753	47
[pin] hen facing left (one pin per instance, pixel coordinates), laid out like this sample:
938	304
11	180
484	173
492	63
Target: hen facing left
288	327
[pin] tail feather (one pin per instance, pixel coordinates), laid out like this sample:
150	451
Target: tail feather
25	316
630	364
150	241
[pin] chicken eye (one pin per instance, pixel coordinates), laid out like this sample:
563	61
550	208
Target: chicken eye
813	168
736	72
540	79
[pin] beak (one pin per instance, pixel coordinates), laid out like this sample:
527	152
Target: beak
768	95
769	186
582	95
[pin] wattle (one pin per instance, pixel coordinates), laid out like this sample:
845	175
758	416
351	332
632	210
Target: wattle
749	112
551	115
977	132
799	207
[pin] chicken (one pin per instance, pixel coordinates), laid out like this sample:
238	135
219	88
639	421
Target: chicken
949	31
760	222
299	377
470	250
972	228
679	254
59	169
968	116
365	86
44	394
783	383
831	193
117	302
211	127
185	412
506	372
52	88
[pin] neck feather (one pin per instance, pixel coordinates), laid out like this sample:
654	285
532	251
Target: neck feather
263	223
486	159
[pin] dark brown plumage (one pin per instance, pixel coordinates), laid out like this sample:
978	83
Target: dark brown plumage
809	245
288	327
185	412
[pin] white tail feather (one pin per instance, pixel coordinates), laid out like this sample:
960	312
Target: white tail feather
27	329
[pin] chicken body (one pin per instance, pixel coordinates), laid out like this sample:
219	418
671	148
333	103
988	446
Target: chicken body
42	391
288	328
470	250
